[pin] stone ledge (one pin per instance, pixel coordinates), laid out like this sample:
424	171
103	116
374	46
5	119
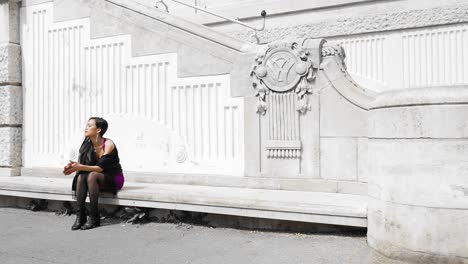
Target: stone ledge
314	207
10	171
444	95
284	184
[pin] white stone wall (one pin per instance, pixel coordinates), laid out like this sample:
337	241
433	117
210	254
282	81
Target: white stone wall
343	130
175	124
418	186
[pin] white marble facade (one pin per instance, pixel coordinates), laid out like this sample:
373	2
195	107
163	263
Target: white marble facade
178	124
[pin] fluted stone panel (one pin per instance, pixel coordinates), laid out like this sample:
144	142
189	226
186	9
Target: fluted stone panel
181	124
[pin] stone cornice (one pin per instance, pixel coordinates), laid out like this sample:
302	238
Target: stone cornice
368	24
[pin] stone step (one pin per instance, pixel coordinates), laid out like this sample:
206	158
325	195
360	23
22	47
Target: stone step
313	207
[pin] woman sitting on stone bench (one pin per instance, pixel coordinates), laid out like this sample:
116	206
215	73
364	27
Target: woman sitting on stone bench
98	169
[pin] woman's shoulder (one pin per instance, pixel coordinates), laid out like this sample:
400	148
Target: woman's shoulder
109	146
109	141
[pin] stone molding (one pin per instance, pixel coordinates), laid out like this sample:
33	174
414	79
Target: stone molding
422	96
366	24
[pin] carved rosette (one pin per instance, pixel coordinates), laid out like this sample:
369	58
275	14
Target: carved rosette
284	68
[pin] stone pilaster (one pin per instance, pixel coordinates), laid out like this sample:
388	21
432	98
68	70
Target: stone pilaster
11	113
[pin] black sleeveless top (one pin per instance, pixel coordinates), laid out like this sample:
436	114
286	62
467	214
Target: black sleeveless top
110	164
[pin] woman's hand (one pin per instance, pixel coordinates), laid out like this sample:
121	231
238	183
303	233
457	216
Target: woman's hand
71	167
66	167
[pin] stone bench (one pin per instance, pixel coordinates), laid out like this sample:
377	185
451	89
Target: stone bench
313	207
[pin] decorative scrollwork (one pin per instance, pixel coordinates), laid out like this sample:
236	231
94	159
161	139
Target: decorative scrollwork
329	50
261	90
304	88
283	68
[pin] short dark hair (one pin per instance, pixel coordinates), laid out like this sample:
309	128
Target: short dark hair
100	123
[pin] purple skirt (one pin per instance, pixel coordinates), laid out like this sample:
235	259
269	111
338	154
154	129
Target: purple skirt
119	181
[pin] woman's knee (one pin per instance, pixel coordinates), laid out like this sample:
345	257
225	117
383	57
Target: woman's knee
81	178
93	176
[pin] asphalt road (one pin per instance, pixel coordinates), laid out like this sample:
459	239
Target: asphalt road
44	237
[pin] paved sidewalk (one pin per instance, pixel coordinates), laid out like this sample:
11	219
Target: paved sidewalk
44	237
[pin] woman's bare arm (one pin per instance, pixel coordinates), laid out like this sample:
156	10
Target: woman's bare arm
74	166
89	168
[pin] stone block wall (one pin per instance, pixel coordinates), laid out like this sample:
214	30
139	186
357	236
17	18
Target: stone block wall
418	186
11	115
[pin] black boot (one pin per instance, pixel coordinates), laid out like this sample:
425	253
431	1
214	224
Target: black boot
93	221
82	190
80	220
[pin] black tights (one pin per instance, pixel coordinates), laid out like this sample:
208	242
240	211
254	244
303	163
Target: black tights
89	182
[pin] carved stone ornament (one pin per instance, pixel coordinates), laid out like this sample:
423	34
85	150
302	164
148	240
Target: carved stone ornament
335	50
282	68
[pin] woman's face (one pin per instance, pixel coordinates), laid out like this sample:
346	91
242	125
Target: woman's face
91	130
